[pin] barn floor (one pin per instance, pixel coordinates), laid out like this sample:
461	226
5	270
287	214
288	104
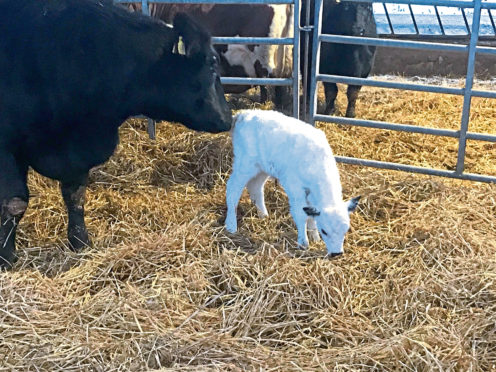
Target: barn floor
165	287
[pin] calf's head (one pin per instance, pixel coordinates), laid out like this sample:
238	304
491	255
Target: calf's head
333	223
186	81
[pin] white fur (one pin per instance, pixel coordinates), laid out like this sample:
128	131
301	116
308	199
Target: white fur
276	59
268	143
240	55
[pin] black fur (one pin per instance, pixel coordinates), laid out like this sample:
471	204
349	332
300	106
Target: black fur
343	18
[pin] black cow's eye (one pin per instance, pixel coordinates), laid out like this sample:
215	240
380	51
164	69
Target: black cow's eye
324	232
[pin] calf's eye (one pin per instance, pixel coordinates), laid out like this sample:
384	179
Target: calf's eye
324	232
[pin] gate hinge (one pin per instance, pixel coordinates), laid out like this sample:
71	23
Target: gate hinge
306	28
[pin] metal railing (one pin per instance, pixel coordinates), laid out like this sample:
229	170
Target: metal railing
467	92
388	26
293	81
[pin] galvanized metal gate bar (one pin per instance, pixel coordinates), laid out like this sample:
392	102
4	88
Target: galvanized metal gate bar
294	81
343	39
469	82
439	21
463	135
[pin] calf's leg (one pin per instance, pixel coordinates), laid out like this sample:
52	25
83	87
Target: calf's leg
256	189
300	219
241	174
352	94
331	92
313	232
14	196
74	192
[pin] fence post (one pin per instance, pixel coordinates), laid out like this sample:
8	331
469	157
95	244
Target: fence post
317	28
152	127
296	59
469	82
307	28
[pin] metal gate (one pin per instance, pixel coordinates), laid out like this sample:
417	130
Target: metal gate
293	81
467	92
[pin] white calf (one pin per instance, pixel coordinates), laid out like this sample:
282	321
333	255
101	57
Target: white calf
268	143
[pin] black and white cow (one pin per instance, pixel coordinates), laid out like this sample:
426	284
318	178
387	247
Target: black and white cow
72	72
245	20
344	18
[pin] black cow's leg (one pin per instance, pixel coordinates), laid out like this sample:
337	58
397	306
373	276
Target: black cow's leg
281	95
352	94
14	198
331	92
264	94
74	196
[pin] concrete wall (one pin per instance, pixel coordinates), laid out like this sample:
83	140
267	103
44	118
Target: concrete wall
411	62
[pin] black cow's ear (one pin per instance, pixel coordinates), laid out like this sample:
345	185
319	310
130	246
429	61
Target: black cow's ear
352	204
179	47
311	211
193	36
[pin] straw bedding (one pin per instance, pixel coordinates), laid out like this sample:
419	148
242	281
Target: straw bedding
165	287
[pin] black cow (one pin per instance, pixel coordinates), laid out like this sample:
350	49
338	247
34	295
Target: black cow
72	72
344	18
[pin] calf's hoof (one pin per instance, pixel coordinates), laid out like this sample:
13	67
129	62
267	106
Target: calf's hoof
231	224
262	214
313	235
333	255
302	245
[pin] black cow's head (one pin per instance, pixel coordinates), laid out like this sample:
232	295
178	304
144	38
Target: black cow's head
186	78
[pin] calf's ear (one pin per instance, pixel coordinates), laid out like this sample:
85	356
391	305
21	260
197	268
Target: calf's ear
311	211
352	204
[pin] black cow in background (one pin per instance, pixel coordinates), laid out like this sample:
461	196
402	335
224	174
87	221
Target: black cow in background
343	18
72	72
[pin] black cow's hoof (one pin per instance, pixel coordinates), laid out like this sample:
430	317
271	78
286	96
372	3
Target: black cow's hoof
77	245
333	255
7	261
350	113
80	241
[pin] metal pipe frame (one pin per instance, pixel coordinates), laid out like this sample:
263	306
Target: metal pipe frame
389	84
296	59
256	81
306	28
492	20
405	128
252	40
413	19
414	169
444	3
289	2
316	40
469	82
438	16
388	17
465	20
406	44
462	135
